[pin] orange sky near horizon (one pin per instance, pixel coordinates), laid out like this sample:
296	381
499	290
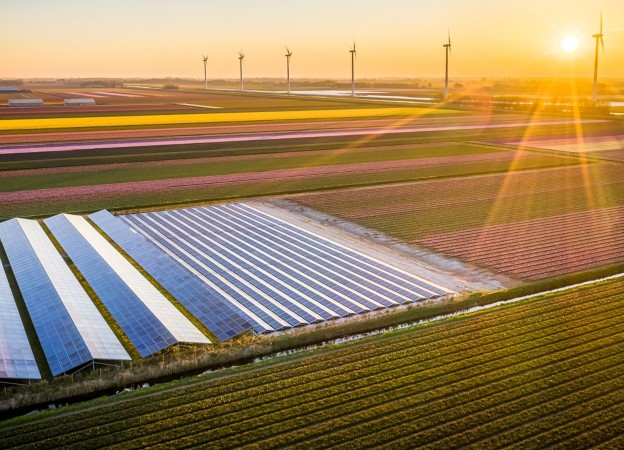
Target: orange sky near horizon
395	38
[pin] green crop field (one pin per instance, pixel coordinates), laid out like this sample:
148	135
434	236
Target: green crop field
542	372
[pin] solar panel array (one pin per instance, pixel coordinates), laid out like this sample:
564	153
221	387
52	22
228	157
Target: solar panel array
181	281
16	357
145	315
275	274
69	327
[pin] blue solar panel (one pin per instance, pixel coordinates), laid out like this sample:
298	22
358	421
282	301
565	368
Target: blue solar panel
140	324
388	272
238	269
16	357
321	290
232	290
198	297
285	275
254	260
52	294
368	280
336	279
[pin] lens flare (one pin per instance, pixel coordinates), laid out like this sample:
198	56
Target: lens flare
570	43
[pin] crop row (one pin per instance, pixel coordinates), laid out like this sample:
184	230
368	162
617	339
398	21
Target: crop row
556	419
492	413
568	225
542	248
219	170
210	413
47	201
491	328
272	127
494	211
345	420
205	118
417	210
456	191
360	379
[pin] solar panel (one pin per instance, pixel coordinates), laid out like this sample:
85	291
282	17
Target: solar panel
266	264
145	315
393	275
279	273
69	327
346	289
244	302
204	302
233	267
16	357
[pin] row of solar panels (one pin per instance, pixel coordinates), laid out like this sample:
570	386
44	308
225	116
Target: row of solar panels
69	327
269	272
233	267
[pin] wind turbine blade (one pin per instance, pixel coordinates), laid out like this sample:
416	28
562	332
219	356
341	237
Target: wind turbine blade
600	22
602	43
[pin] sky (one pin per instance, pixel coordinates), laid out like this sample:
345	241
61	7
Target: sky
394	38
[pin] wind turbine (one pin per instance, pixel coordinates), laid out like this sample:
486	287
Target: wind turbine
448	50
241	56
599	39
353	52
288	55
205	59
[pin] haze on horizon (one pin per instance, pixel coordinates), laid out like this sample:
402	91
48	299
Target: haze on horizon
395	38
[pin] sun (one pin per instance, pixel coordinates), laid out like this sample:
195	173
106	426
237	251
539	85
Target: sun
570	43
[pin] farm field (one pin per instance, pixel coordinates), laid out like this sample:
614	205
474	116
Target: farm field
142	187
163	162
483	215
542	372
601	145
144	99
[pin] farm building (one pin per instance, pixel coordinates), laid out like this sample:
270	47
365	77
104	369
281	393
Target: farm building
26	102
79	102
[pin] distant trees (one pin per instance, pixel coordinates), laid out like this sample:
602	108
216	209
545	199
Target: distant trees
520	103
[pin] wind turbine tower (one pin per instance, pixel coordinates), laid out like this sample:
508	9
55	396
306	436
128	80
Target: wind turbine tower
352	51
205	59
241	56
288	55
599	40
448	51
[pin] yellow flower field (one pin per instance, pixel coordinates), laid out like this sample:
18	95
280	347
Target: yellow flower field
209	118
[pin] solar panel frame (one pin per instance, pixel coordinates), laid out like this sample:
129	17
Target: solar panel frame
368	281
196	268
335	290
17	360
285	274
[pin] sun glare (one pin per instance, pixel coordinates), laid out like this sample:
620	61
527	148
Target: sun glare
570	43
